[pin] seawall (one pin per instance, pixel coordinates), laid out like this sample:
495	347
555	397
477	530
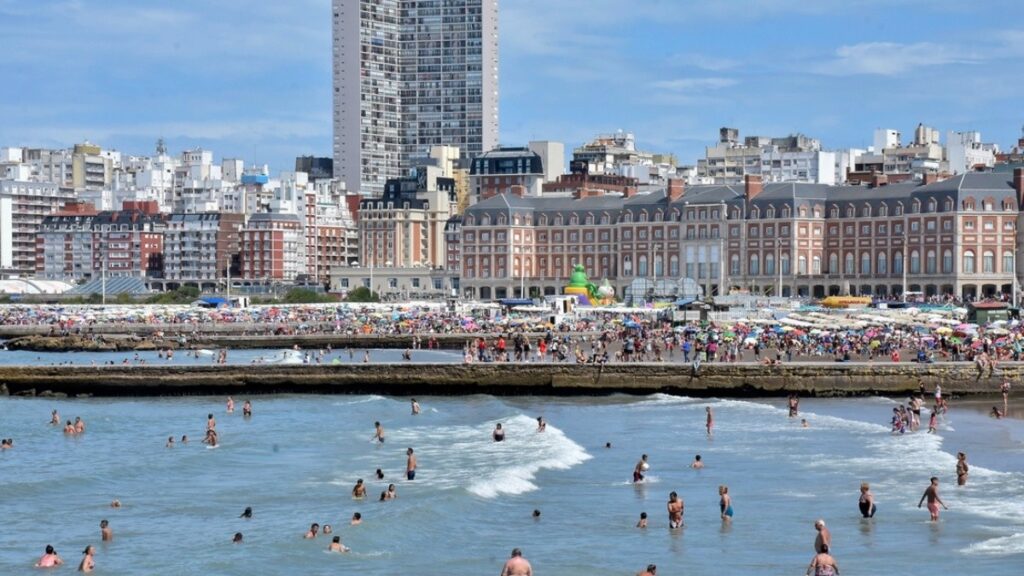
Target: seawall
407	379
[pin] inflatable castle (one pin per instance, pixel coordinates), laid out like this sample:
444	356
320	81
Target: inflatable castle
586	293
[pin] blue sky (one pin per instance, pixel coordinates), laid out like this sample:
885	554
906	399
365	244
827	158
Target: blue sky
251	78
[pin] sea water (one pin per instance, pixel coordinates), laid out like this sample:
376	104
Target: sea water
295	462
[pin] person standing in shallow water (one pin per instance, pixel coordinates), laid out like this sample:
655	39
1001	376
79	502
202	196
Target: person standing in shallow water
931	493
867	501
961	469
710	423
410	465
725	503
517	565
675	511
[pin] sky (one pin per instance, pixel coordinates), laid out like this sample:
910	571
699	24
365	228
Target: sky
251	79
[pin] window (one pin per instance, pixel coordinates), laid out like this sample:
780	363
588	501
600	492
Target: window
929	262
850	265
947	224
915	226
988	262
734	265
915	262
897	262
968	262
784	230
865	212
882	229
882	266
947	261
673	266
801	265
968	224
930	225
816	265
988	225
850	211
931	205
865	229
1008	263
627	265
833	263
865	263
641	266
833	212
769	264
785	263
755	265
899	209
883	210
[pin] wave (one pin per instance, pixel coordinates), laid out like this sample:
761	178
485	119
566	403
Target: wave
550	450
1002	546
370	398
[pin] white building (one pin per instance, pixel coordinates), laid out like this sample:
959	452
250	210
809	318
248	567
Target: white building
793	158
23	205
408	76
965	152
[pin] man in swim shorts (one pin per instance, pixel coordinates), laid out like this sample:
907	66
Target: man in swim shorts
378	432
931	493
640	468
675	511
498	434
824	537
410	465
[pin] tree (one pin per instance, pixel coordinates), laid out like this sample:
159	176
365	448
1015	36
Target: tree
305	296
362	294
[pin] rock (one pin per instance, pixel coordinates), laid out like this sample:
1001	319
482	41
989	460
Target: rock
4	391
29	393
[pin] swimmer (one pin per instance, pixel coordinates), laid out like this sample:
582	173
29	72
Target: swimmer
536	514
336	545
641	467
359	490
54	418
410	465
247	409
643	520
231	405
1005	389
378	433
794	405
356	520
407	355
88	563
823	564
415	407
211	422
961	469
237	539
184	439
69	428
50	559
211	438
867	501
115	504
995	413
79	425
675	511
170	442
391	493
313	529
804	424
933	422
517	565
327	530
383	496
247	513
932	495
710	423
541	424
380	474
725	503
697	462
106	534
366	357
498	434
823	541
651	570
607	445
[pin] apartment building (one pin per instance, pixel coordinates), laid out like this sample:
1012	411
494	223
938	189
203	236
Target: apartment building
273	248
201	249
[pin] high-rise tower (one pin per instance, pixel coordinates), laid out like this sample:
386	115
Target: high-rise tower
408	75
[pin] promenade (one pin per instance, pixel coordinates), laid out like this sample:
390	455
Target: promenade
741	379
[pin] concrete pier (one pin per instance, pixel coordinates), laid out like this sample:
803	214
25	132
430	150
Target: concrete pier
406	379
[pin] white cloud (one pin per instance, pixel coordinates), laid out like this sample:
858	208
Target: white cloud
692	85
891	58
704	62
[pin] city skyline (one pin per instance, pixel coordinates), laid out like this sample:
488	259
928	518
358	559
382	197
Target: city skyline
254	81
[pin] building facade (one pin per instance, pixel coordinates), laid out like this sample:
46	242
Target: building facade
273	248
201	249
410	74
23	206
952	237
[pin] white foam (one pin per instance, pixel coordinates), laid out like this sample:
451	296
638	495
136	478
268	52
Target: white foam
371	398
1002	546
661	399
551	450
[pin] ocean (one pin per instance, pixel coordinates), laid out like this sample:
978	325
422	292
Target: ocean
297	459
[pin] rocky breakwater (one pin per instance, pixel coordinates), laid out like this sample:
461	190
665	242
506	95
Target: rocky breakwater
809	379
86	343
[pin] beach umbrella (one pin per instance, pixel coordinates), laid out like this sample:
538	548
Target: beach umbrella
944	331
